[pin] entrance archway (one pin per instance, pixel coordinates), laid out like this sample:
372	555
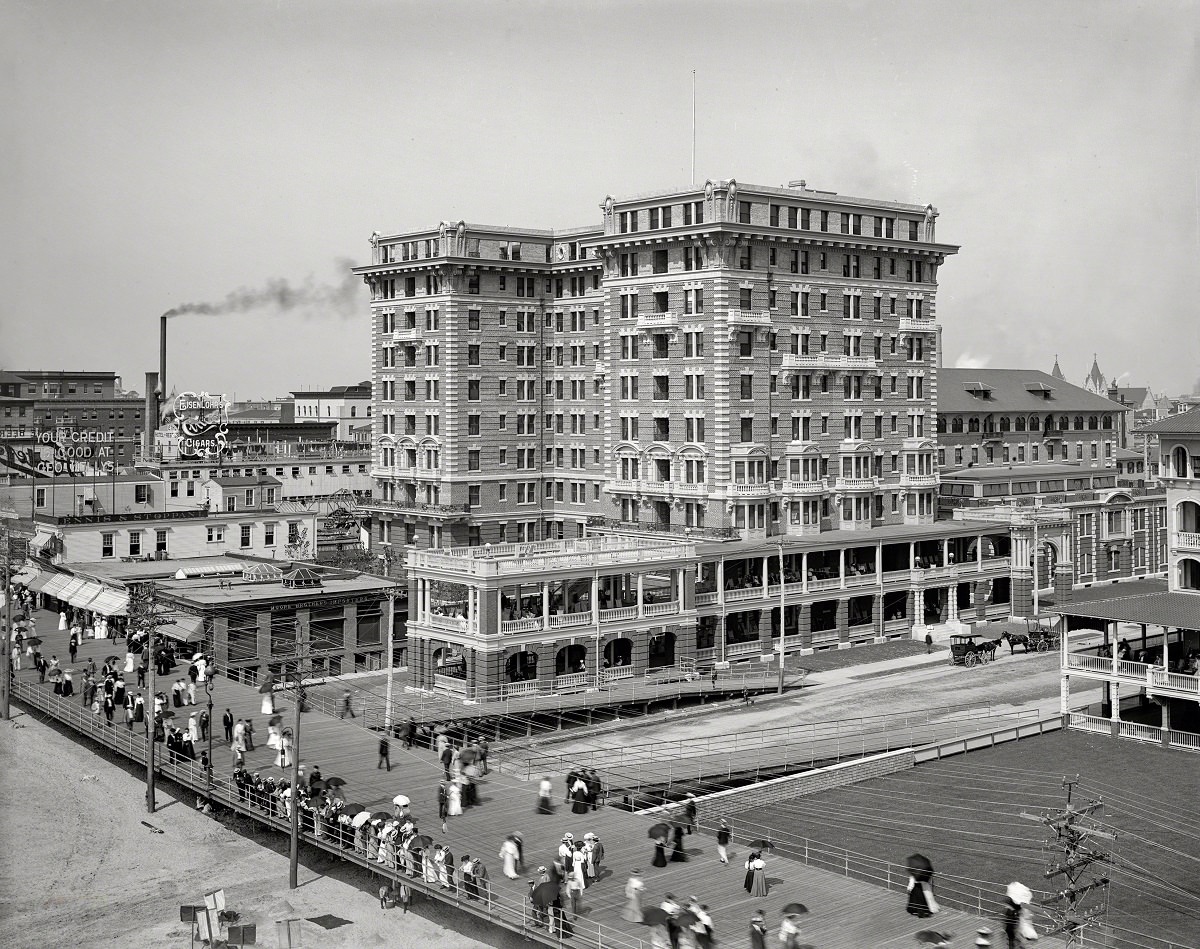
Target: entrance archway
662	650
1189	574
619	652
521	666
570	659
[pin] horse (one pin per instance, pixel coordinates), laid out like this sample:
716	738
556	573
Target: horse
989	646
1016	639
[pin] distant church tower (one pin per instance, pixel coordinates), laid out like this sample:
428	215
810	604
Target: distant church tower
1057	372
1095	381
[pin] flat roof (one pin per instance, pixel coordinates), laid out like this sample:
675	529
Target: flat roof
887	533
1005	472
133	571
245	481
209	592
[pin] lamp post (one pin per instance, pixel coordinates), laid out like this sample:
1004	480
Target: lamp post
208	689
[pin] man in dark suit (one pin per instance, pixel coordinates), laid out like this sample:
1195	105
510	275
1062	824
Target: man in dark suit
227	721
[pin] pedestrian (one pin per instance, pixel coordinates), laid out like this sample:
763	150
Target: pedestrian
446	757
928	643
575	879
443	800
204	723
789	932
632	912
346	709
689	811
16	657
714	678
141	674
109	708
758	931
678	854
672	909
595	851
190	687
508	855
68	688
660	852
410	731
384	760
545	790
756	876
73	647
723	835
482	886
579	796
227	721
249	734
483	755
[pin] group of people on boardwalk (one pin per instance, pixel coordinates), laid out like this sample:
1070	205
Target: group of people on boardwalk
673	925
560	883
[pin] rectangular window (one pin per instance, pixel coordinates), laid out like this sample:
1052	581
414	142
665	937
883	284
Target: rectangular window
106	544
246	535
135	543
268	535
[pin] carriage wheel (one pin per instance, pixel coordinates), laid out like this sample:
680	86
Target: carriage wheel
970	659
1043	645
983	658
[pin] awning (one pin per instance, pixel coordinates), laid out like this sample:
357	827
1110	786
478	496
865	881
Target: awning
57	583
24	576
72	589
39	583
84	594
185	629
109	602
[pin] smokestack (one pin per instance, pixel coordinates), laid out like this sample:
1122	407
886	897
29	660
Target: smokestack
162	357
151	415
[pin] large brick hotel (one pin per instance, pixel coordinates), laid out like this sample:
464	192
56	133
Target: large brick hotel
596	448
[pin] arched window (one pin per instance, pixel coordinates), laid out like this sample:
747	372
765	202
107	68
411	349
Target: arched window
973	423
1004	424
1107	423
1019	423
1179	462
941	425
1093	422
1035	423
1078	423
957	425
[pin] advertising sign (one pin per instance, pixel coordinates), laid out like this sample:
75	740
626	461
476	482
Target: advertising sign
67	452
202	421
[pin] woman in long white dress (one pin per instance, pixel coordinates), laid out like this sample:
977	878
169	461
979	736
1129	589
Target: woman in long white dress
509	854
62	621
268	703
273	735
454	799
633	897
284	758
193	729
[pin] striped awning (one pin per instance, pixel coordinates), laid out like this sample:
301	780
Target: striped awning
72	588
39	583
84	594
57	583
109	602
184	629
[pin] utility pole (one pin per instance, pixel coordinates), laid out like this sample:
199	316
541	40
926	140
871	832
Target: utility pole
11	540
389	604
782	620
1077	847
143	612
296	665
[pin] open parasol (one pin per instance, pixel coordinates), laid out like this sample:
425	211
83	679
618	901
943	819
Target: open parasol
197	656
55	673
654	916
934	937
268	684
316	786
112	658
794	909
360	818
920	867
381	815
274	719
420	842
33	640
686	918
335	782
761	845
166	713
353	808
659	830
468	756
400	800
544	894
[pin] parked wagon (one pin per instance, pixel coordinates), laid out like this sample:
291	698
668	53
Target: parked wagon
1041	632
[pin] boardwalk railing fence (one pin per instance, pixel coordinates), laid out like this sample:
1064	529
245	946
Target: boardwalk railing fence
520	916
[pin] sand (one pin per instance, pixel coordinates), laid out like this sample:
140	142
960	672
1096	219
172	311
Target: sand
79	868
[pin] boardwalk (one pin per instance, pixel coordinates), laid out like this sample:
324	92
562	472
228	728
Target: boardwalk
847	913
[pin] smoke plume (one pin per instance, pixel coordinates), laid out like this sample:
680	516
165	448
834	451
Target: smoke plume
315	299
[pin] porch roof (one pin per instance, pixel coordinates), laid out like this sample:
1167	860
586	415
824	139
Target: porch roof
1162	608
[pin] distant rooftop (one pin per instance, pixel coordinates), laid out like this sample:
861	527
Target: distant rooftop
1185	423
1014	390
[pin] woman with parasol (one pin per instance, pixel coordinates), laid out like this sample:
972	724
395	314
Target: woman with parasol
921	903
508	854
632	912
658	833
756	875
1018	920
789	925
678	854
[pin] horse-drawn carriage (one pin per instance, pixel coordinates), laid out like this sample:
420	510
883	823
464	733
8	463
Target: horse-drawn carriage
1040	635
966	650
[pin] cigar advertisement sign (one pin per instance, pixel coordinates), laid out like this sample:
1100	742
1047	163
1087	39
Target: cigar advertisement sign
201	421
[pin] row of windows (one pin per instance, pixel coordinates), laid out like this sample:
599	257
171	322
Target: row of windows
1019	423
1018	453
575	492
778	215
750	257
389	288
205	473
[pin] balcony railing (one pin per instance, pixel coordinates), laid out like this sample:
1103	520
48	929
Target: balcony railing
661	609
744	593
682	530
510	690
618	613
828	361
448	622
760	489
527	625
1187	540
918	481
750	317
1176	682
909	324
706	599
572	681
803	488
567	620
412	507
857	484
649	322
750	648
408	333
600	368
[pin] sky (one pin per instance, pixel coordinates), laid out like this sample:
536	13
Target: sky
162	152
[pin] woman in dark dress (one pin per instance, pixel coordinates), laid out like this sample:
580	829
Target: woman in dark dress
579	795
660	852
678	855
749	884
